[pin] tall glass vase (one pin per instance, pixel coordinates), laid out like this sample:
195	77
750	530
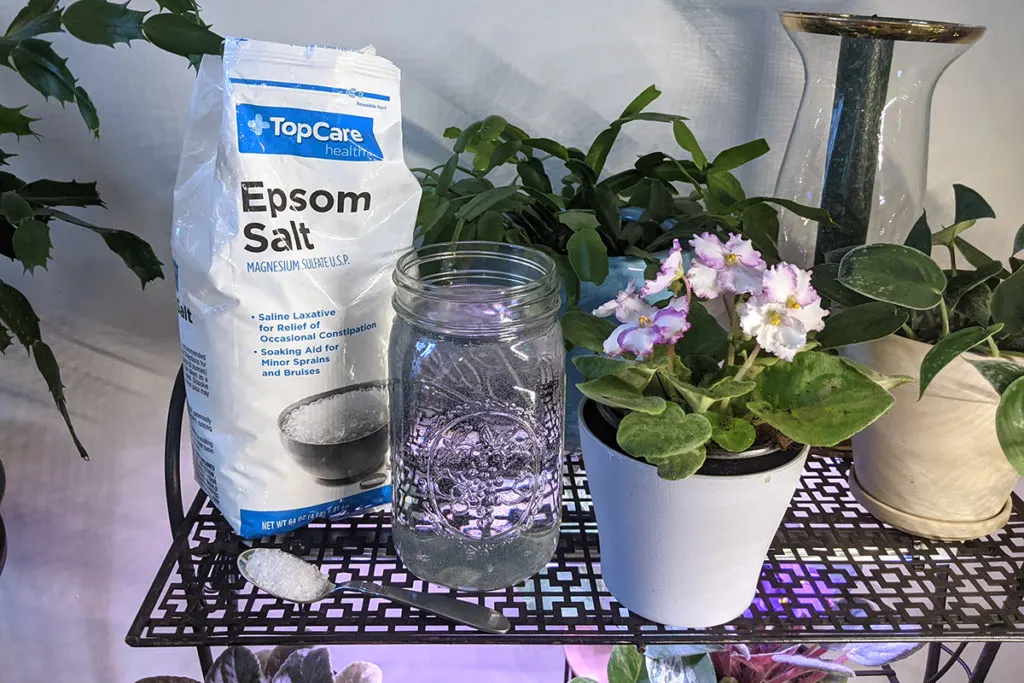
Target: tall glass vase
859	146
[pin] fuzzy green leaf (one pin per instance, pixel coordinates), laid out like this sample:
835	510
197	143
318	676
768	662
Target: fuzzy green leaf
731	433
637	375
181	36
103	23
734	157
1010	424
706	337
43	69
13	121
35	19
584	330
863	323
17	315
999	373
133	250
588	255
1008	303
618	393
31	243
817	399
970	205
920	236
626	664
893	273
58	193
949	348
667	436
14	207
688	141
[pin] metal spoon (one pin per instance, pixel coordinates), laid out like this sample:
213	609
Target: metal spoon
310	585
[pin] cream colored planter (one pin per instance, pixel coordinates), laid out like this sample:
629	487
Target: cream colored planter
932	467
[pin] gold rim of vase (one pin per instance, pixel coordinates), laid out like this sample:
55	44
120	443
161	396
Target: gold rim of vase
882	28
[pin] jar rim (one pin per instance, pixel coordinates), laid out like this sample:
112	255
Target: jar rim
545	283
882	28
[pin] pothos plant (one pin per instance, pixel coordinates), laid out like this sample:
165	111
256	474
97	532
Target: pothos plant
280	665
889	288
28	208
747	664
682	381
500	185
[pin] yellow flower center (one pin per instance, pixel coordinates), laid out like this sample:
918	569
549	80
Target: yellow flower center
644	321
731	259
775	318
792	303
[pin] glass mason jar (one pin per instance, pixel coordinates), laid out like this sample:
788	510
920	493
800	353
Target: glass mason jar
859	146
477	409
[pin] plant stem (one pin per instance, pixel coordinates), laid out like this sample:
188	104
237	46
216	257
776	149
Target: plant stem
748	363
952	259
993	349
944	312
908	331
730	358
671	358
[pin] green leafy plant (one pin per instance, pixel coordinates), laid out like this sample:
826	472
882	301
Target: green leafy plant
500	185
675	380
887	288
28	208
281	665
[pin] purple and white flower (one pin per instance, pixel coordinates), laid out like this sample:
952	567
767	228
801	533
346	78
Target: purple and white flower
670	273
785	311
626	305
734	267
646	326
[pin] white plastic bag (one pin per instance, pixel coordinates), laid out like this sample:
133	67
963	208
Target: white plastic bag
291	204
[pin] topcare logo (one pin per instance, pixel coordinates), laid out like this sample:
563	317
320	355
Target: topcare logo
305	133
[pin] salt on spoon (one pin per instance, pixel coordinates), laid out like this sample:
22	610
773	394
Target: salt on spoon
286	576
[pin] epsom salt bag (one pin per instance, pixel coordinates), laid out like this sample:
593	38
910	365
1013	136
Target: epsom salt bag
291	204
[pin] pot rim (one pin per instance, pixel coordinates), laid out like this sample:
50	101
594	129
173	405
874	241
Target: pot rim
882	28
802	453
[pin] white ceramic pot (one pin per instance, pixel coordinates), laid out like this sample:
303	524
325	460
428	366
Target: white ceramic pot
684	553
933	467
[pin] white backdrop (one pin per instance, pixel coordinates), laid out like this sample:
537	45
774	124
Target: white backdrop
86	537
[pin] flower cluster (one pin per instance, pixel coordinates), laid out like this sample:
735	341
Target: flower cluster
776	306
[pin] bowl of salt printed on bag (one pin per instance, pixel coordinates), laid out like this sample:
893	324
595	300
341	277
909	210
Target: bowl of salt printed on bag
338	436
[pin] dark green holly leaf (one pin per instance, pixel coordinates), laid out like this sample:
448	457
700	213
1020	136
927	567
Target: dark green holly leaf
949	348
31	243
734	157
5	339
588	255
14	207
920	236
686	139
60	193
179	6
13	121
17	314
9	181
103	23
6	238
1008	303
970	205
4	157
44	69
88	110
863	323
35	19
178	35
133	250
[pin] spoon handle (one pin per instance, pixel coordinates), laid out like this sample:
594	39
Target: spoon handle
467	613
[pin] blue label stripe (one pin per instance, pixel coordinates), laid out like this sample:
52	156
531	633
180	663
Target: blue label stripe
306	133
257	523
309	86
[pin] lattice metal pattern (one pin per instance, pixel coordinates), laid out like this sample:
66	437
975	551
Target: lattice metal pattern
833	574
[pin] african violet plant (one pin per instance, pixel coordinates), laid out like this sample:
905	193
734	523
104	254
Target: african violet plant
684	382
888	288
506	194
280	665
28	208
747	664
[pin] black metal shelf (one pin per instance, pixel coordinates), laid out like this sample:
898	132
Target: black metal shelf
833	574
